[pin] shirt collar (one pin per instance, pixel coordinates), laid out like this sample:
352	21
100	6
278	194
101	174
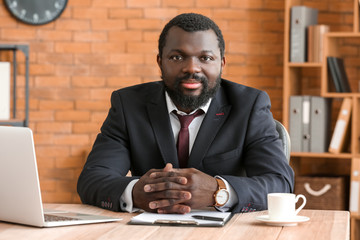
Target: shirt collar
171	106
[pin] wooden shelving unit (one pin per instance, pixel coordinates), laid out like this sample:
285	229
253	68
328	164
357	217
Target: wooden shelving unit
343	40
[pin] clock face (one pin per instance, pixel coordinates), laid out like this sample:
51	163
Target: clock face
36	12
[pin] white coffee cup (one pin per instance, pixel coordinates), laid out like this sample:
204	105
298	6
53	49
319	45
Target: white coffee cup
281	206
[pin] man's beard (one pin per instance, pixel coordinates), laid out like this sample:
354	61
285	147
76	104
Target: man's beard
189	102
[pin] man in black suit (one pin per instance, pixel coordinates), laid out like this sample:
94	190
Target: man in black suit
233	155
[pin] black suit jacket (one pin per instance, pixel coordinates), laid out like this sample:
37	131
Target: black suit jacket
237	138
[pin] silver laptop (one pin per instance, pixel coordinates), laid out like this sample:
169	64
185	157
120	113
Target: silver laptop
20	196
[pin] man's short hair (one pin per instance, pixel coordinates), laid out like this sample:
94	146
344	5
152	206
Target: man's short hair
191	22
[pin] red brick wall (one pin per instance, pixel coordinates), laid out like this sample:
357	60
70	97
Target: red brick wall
97	46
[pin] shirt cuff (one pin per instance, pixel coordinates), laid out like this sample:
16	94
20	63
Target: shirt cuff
233	199
126	202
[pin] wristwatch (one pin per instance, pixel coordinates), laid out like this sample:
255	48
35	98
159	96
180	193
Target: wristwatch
221	196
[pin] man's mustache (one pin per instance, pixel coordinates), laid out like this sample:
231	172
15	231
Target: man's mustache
198	78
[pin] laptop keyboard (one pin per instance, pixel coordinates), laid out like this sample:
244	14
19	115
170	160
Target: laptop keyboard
54	218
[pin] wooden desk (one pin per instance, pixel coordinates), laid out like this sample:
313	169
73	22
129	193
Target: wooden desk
323	225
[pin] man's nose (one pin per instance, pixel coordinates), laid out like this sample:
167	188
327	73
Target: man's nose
192	65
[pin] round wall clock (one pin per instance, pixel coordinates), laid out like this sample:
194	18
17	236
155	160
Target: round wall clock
36	12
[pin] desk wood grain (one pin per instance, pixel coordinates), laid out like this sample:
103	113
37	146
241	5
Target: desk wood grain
323	225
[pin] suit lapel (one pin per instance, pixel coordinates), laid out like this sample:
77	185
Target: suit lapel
215	117
160	122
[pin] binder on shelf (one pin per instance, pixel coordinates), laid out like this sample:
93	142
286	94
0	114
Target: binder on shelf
309	123
301	18
315	42
339	137
355	186
4	90
320	124
338	74
306	112
295	123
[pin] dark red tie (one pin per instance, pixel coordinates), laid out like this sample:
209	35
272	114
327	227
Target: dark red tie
183	138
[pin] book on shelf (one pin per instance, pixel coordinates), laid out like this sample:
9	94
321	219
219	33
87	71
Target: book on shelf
315	42
337	74
301	18
4	90
340	136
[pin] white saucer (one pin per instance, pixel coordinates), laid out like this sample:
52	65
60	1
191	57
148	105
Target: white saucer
290	222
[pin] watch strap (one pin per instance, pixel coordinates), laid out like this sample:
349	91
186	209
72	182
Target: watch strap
221	184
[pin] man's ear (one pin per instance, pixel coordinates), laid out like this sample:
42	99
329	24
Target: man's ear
223	62
158	60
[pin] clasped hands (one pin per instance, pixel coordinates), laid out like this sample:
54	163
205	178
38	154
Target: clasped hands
172	190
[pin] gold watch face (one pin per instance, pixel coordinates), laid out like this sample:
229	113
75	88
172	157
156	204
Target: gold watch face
222	196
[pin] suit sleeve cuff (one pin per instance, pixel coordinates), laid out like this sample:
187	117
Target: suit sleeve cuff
126	202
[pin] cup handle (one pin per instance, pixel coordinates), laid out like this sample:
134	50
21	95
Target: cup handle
302	205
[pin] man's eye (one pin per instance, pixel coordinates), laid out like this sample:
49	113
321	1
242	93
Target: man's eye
176	58
206	58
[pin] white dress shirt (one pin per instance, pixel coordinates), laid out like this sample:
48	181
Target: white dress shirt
126	202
